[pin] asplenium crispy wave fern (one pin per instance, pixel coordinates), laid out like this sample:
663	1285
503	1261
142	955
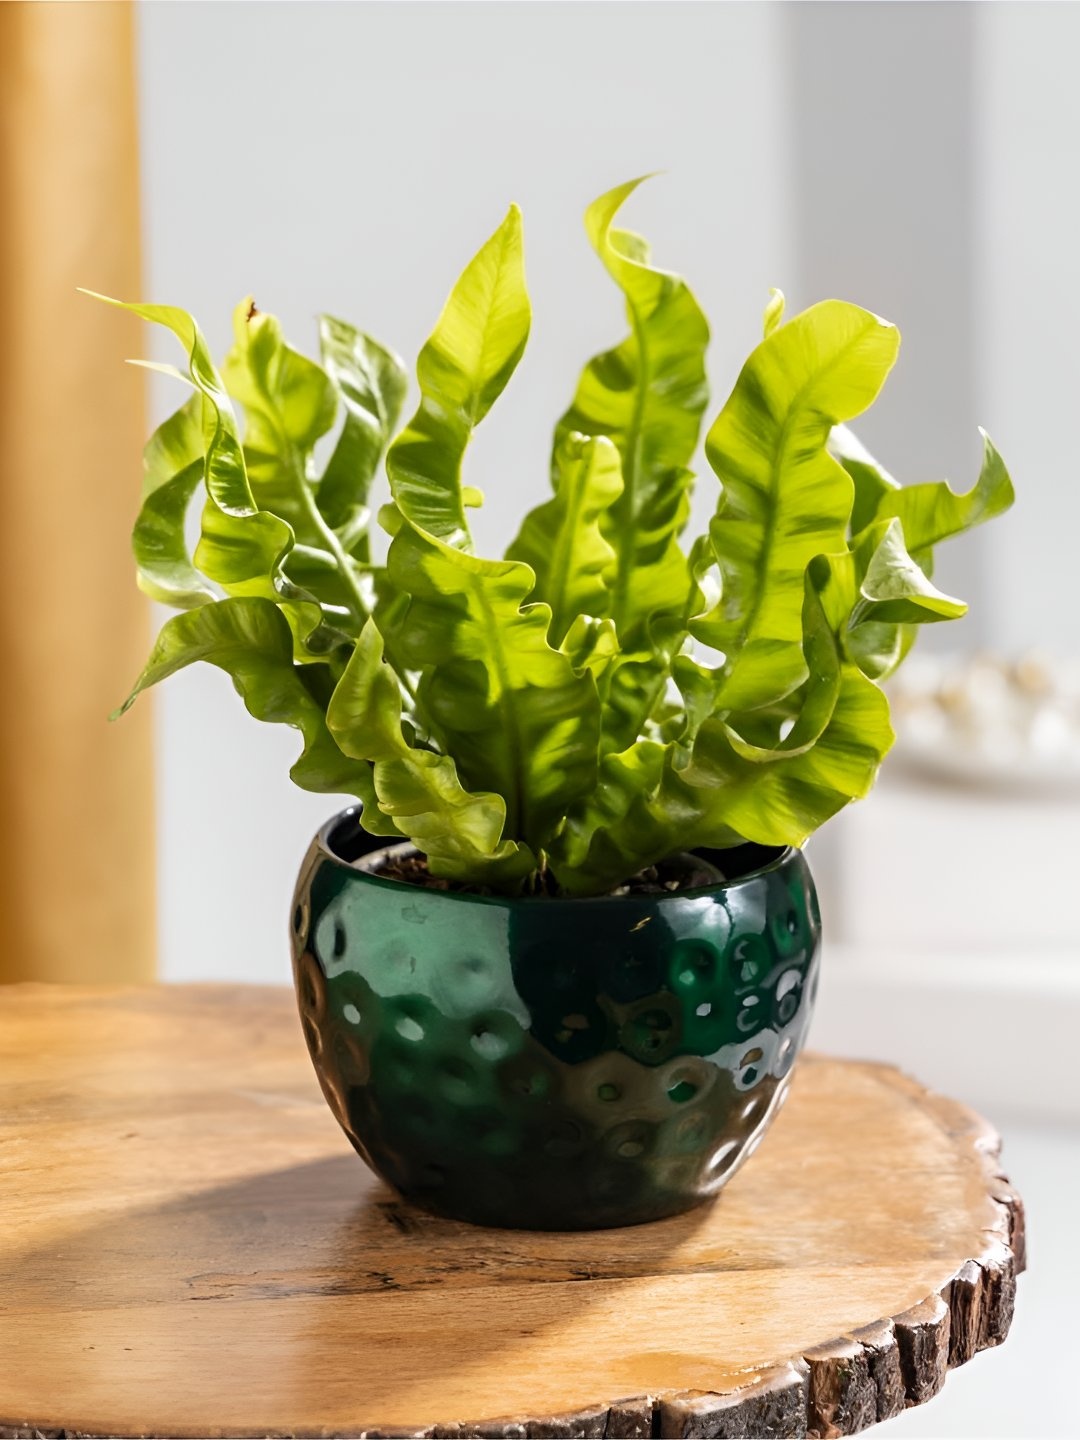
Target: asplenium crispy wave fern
604	695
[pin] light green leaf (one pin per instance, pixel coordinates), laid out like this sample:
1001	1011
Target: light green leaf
226	477
932	512
791	725
801	785
894	595
461	833
893	589
635	681
784	499
626	822
562	540
241	547
928	513
251	641
511	709
591	644
814	702
870	480
289	404
172	472
463	369
774	312
244	555
558	713
785	801
647	395
646	809
877	648
371	383
650	801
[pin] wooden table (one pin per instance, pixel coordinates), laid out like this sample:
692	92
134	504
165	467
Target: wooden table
189	1247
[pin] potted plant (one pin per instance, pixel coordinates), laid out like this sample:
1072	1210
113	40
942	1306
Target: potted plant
555	966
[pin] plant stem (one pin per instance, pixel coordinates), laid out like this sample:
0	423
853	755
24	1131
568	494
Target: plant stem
331	541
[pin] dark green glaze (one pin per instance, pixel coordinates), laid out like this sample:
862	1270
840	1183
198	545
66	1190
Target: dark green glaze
553	1064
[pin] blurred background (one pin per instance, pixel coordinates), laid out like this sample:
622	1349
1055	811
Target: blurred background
916	159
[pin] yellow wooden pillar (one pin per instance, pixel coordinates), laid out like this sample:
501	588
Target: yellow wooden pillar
76	804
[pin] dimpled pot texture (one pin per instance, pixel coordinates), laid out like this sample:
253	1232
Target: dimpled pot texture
555	1064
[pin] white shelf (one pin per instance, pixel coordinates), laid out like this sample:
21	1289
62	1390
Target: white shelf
1000	1031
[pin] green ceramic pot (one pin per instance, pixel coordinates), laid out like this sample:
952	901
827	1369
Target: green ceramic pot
553	1064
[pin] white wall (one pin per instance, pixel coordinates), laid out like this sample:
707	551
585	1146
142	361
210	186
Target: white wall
351	158
1028	225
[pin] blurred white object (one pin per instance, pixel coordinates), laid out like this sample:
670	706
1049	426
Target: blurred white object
987	722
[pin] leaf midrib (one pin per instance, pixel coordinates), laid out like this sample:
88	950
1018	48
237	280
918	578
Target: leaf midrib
772	511
563	550
627	551
295	470
517	815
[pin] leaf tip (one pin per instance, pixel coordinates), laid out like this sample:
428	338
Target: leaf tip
892	330
993	461
774	310
989	448
513	222
97	295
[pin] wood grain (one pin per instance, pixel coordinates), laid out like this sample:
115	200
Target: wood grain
190	1248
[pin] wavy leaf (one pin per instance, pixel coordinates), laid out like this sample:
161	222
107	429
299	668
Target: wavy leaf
781	796
815	701
289	404
244	555
626	822
928	514
563	540
512	710
462	370
877	648
649	802
774	312
784	802
892	587
559	708
785	499
251	641
371	383
647	395
590	644
870	480
461	833
636	680
172	472
241	547
226	477
932	512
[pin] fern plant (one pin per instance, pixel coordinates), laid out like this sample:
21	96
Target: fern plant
603	696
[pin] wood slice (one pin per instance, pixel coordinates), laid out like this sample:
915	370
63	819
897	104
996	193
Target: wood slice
190	1248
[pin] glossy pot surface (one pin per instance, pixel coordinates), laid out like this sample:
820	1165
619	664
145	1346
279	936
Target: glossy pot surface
548	1063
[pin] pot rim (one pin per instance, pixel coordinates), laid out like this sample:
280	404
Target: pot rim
784	854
